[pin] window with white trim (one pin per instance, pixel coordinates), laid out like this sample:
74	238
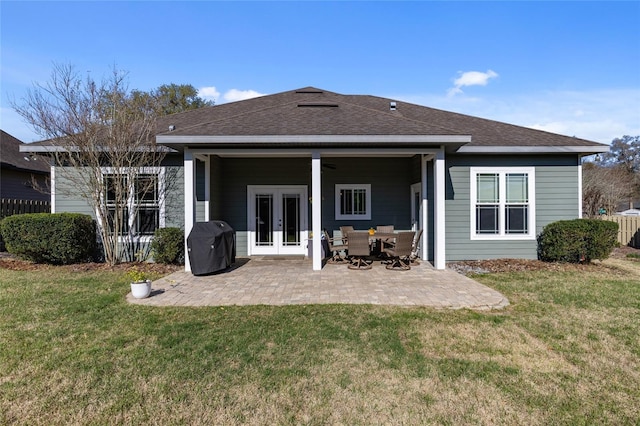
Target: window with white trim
143	209
502	203
353	202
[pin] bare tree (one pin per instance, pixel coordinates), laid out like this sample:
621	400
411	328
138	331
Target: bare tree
103	136
604	188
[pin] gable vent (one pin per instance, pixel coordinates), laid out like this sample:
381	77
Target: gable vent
317	105
309	91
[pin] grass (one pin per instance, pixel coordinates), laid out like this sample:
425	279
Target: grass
566	351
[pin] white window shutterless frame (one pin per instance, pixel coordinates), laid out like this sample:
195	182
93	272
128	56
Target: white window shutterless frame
277	219
353	201
502	201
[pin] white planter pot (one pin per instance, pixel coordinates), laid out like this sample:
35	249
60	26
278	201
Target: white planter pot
140	290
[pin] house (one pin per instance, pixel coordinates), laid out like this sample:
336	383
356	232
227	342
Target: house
629	212
281	168
22	176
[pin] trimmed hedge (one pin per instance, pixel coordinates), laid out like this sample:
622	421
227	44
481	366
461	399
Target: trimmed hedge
578	240
167	246
58	238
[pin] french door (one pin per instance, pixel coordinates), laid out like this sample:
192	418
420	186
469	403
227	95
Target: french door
277	219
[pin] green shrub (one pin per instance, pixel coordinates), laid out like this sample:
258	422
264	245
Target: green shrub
167	246
59	238
578	240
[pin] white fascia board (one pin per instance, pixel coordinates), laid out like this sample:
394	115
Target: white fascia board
56	148
41	148
271	139
531	149
332	152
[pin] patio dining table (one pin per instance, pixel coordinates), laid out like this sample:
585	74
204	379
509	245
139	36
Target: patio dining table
378	237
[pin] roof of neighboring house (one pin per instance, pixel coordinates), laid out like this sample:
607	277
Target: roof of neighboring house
11	157
312	111
629	212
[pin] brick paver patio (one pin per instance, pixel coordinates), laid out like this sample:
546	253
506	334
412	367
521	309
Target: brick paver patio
260	281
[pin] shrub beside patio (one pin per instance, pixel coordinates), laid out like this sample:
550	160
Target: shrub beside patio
566	351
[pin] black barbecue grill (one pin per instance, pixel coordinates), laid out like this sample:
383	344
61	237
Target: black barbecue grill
211	246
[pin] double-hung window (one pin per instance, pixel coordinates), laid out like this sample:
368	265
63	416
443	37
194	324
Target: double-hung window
134	201
353	202
502	203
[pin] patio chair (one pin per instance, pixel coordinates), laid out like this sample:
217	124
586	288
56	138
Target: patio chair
359	250
415	247
400	253
335	249
385	242
344	230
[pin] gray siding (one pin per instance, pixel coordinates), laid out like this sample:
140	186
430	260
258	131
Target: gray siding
556	199
174	203
68	197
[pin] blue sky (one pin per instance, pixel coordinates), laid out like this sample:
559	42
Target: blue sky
567	67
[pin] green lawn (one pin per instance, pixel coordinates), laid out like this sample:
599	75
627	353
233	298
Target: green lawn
567	351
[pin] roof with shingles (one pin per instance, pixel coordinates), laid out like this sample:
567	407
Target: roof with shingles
10	156
312	111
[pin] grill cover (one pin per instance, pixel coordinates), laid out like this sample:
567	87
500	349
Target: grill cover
211	246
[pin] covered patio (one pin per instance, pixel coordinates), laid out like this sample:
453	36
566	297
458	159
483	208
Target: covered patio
291	281
407	186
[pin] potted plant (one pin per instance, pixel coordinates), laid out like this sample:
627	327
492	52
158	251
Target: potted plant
140	284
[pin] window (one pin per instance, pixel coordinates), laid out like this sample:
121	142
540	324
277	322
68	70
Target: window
502	203
353	202
140	204
147	204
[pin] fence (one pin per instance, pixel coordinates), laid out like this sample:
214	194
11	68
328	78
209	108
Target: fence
629	232
10	207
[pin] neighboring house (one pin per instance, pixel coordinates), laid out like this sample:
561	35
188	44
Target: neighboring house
282	167
629	212
22	176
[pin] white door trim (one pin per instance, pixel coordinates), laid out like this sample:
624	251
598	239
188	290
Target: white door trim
278	248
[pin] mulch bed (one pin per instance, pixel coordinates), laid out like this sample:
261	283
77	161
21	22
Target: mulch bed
520	265
8	261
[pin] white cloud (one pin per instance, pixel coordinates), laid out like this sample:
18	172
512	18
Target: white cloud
240	95
209	93
231	95
471	78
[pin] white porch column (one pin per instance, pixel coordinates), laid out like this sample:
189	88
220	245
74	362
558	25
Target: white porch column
316	209
423	208
189	200
207	187
579	188
439	211
52	178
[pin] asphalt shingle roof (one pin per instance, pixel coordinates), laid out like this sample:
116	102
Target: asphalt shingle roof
10	156
312	111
